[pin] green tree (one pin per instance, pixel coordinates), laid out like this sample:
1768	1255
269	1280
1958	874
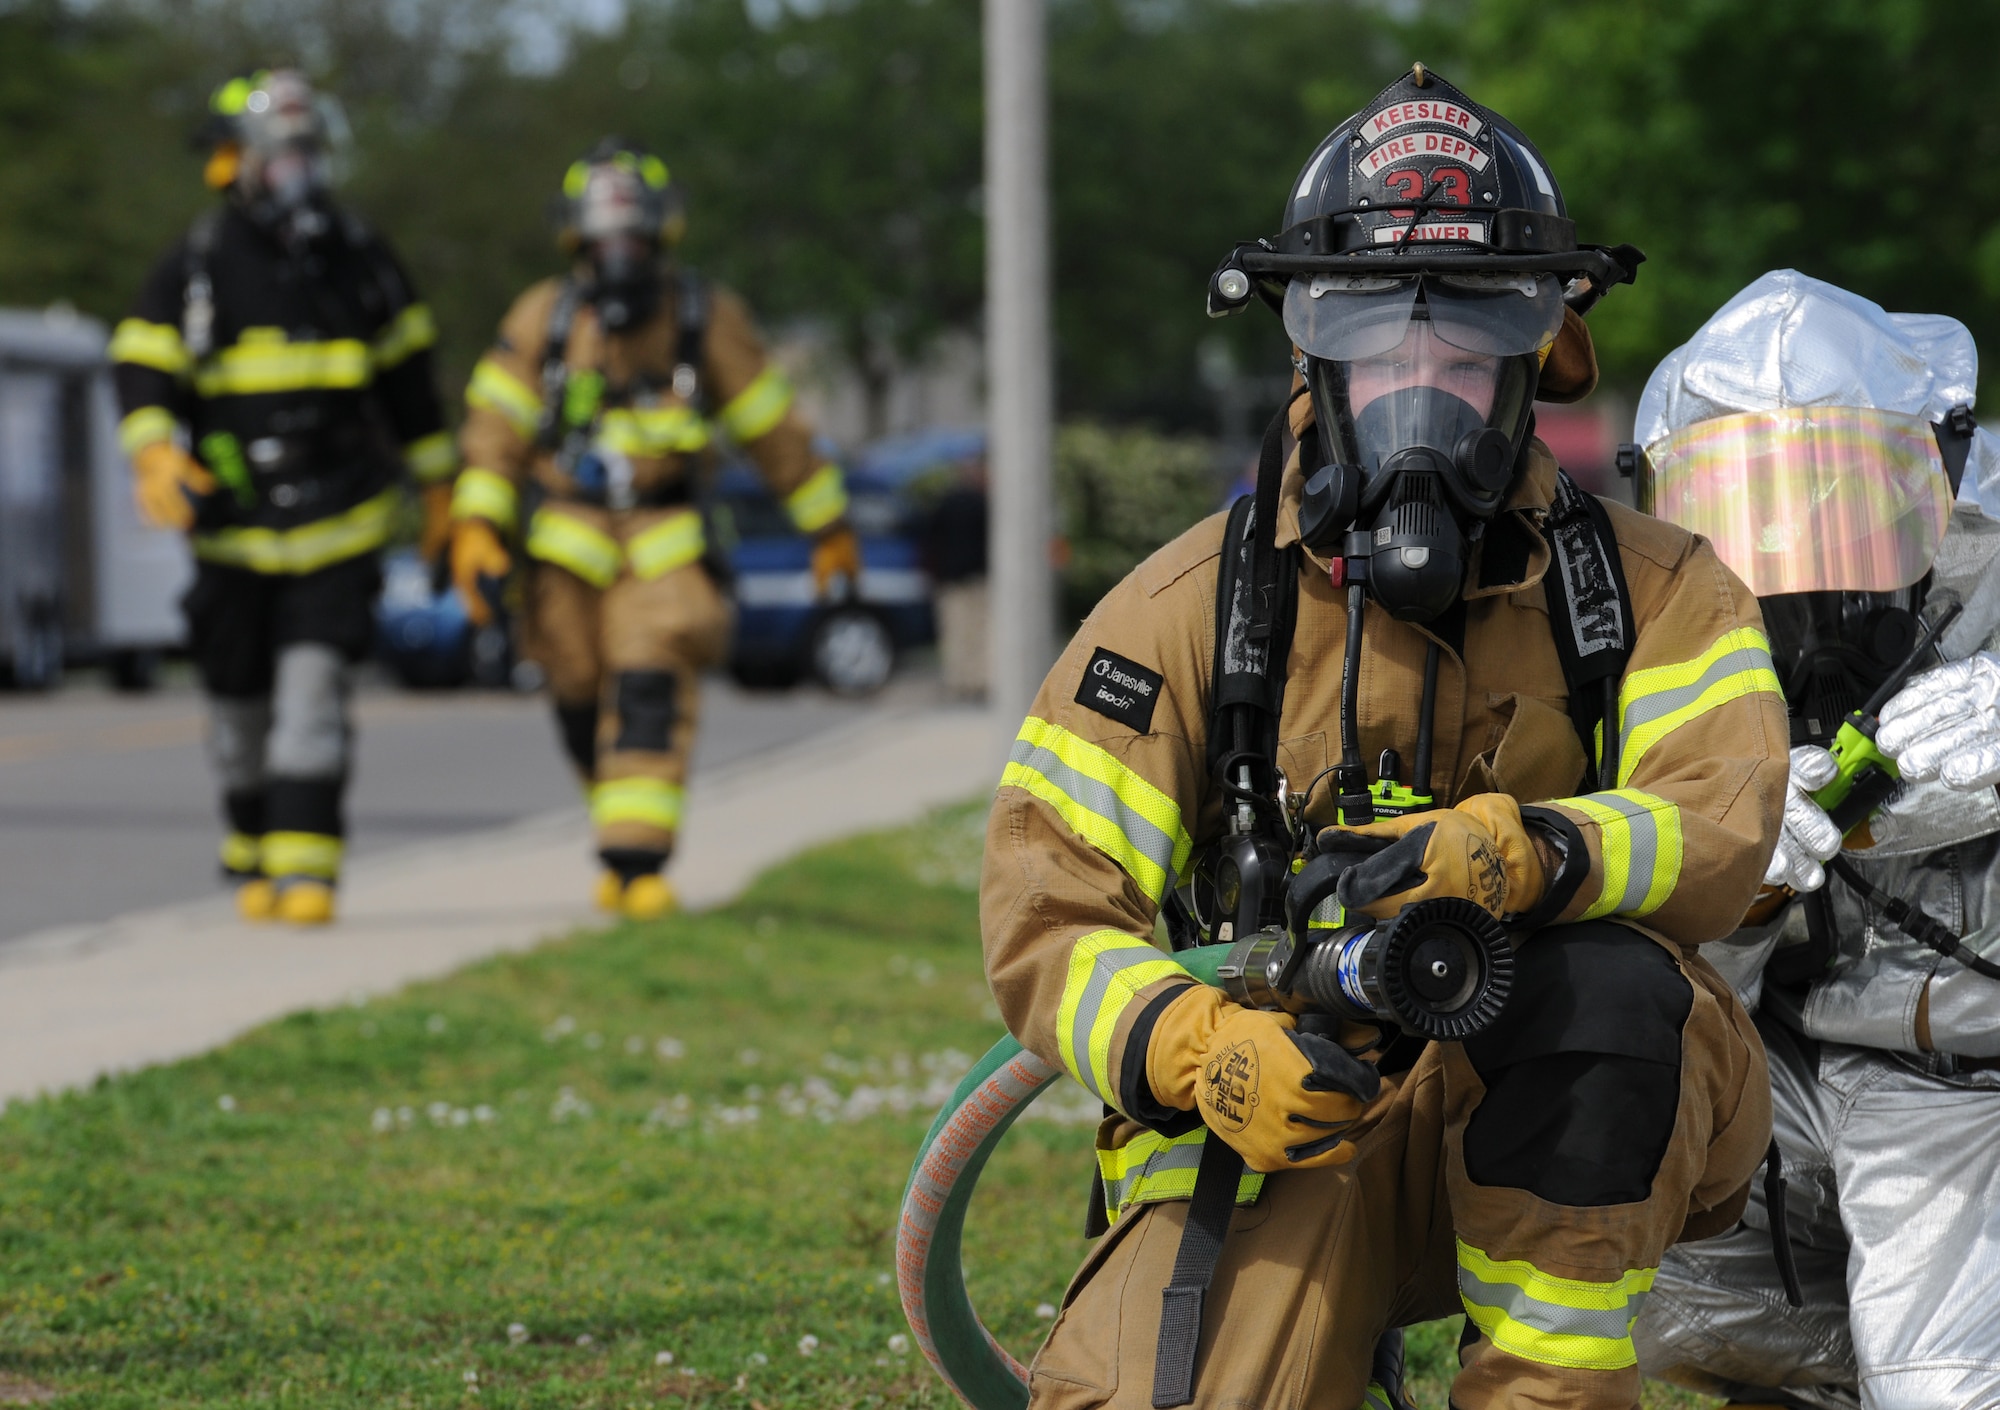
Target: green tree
1854	140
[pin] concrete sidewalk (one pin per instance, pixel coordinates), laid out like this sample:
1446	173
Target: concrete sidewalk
168	983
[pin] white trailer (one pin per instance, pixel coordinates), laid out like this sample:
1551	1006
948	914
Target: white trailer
82	578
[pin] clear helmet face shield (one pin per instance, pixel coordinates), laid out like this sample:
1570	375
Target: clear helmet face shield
1426	433
285	132
617	222
1425	405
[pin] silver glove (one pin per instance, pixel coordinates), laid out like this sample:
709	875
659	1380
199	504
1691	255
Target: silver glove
1809	836
1945	725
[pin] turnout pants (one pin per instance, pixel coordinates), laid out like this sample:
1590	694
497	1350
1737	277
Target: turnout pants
1531	1179
275	653
623	626
1893	1203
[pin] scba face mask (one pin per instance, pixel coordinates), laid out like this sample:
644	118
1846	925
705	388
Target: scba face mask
1832	649
1423	437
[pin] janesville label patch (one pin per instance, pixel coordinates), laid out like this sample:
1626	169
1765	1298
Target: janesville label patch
1120	689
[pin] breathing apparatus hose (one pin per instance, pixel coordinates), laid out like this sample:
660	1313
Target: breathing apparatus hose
930	1270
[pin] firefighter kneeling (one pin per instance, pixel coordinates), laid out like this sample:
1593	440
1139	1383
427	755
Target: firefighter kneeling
1595	694
587	423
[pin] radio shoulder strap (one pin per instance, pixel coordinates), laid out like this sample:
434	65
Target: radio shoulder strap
693	305
1256	609
555	361
1590	615
198	285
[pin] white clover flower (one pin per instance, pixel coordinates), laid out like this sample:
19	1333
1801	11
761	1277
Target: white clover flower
583	1338
1045	1310
516	1333
670	1049
568	1104
882	1280
435	1023
472	1378
561	1028
593	1041
758	1358
743	1382
749	1057
383	1119
404	1116
899	1345
635	1045
808	1344
483	1114
226	1102
460	1116
438	1112
663	1358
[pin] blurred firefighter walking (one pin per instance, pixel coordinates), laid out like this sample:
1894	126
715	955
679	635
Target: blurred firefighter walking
275	377
587	424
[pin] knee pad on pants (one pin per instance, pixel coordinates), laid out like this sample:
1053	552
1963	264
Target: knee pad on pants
1583	1071
648	707
237	729
309	713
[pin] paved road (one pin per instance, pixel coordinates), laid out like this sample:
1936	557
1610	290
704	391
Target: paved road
106	804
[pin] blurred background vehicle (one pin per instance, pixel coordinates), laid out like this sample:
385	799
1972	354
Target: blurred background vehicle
851	644
81	579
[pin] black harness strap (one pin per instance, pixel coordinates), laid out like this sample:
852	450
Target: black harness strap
197	286
1590	615
1781	1225
1215	1182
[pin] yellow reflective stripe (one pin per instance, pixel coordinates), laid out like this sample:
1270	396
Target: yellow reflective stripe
1103	801
408	333
312	854
264	360
569	543
1549	1320
1639	842
1151	1168
1655	702
652	430
240	852
431	458
819	501
309	547
494	388
1107	969
760	406
652	802
486	494
144	427
672	543
154	345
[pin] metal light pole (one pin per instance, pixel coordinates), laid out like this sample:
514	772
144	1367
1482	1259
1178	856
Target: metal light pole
1020	382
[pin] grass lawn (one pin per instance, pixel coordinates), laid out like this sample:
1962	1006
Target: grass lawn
658	1164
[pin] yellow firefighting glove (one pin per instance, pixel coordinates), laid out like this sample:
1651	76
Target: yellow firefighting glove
477	554
164	478
1479	850
434	539
1281	1098
835	552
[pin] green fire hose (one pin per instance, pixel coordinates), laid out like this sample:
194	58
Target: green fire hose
930	1272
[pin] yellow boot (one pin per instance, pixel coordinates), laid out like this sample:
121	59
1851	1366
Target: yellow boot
305	901
609	894
649	897
257	900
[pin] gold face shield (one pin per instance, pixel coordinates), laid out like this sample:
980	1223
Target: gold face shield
1807	498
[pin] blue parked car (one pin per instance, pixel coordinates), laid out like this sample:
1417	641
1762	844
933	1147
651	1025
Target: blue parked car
782	631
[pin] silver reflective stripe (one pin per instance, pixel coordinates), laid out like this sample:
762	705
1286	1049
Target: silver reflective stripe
1104	967
1604	1323
1651	706
1140	833
1644	830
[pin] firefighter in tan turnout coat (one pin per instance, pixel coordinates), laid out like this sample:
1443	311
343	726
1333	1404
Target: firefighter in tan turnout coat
1530	1177
587	423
